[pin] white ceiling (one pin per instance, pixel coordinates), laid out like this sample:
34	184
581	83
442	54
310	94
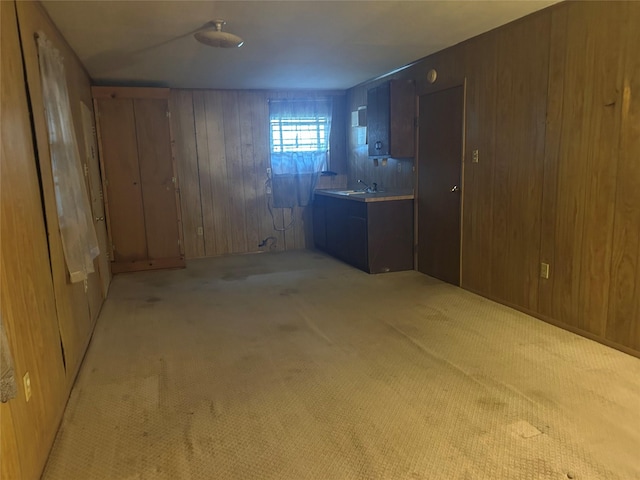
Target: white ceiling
288	44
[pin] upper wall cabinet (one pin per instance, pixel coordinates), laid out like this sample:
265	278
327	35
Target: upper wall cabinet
391	119
141	190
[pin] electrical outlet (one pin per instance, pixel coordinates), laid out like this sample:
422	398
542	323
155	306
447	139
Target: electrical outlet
268	172
544	270
200	231
399	167
268	189
475	157
27	386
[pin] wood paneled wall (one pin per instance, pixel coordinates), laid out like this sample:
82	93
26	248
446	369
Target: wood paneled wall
48	320
552	105
222	152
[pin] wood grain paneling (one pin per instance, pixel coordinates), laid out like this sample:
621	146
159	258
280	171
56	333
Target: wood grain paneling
552	108
522	63
97	195
123	196
579	204
75	303
477	184
130	92
183	126
225	156
216	212
27	303
623	321
157	177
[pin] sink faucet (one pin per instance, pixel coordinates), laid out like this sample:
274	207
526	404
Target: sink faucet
369	189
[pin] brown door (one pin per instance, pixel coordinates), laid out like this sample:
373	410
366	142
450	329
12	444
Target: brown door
439	178
141	185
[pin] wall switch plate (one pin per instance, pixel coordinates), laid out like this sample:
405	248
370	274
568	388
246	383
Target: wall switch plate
544	270
26	380
200	231
475	157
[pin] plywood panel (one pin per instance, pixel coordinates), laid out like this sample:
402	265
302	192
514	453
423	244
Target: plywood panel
235	177
252	189
157	178
623	324
119	155
580	176
522	63
76	304
96	194
553	135
183	126
603	81
477	221
27	303
218	211
232	147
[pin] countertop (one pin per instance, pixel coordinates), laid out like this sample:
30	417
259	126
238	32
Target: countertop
358	196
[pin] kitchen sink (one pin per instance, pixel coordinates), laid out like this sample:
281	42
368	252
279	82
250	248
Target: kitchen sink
350	192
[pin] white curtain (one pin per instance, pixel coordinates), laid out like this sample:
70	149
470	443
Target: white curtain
79	241
297	158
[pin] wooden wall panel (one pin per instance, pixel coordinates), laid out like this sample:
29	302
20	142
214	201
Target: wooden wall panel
555	94
158	179
228	151
235	178
588	68
623	321
477	188
123	195
75	303
522	63
183	126
552	106
27	303
216	210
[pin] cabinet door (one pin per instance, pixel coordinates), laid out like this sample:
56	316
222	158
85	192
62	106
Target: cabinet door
391	239
378	120
319	223
402	114
358	243
337	228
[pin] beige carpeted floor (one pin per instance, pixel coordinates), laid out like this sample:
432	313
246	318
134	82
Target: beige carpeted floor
296	366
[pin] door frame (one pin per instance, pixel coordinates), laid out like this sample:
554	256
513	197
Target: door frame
428	90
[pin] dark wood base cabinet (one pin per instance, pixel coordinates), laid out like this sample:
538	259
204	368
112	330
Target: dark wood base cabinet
376	237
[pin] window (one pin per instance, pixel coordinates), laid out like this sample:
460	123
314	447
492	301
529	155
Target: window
299	134
299	131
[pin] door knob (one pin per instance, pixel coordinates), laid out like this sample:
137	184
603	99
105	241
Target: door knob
455	188
99	219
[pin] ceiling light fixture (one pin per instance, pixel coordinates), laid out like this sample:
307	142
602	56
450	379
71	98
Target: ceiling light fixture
213	36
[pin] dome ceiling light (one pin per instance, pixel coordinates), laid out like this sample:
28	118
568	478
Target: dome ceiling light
213	36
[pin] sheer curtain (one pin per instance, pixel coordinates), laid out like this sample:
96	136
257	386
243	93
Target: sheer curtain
300	131
79	242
